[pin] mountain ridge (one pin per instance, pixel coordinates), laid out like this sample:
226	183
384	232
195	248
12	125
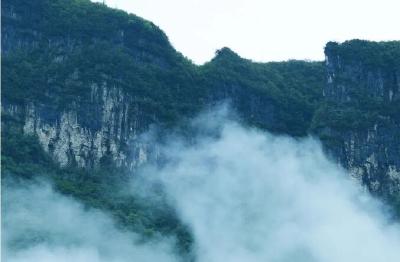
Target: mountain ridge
76	101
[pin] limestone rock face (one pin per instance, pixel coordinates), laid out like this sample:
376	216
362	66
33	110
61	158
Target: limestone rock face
370	151
90	93
113	132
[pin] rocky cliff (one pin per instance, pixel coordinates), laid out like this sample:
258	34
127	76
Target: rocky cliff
87	81
362	112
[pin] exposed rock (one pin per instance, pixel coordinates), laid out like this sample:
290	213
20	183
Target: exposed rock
71	142
372	152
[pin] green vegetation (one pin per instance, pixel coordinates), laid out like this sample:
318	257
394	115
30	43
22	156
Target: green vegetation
294	88
362	97
57	49
360	67
369	54
23	159
75	44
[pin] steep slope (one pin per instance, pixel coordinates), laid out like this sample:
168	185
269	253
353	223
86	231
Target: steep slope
360	119
279	97
87	80
82	82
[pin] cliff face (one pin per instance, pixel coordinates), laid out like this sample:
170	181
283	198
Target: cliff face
364	68
80	114
87	88
363	80
71	138
87	81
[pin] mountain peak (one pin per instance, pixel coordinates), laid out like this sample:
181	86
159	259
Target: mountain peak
226	52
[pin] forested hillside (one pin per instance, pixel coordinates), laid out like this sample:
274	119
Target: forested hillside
81	83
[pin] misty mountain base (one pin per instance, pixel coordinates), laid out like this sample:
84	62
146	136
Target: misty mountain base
242	194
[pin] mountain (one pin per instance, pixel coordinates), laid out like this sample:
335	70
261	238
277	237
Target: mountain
83	82
88	95
360	116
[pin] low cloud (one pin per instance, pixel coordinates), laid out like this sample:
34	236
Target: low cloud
247	195
42	225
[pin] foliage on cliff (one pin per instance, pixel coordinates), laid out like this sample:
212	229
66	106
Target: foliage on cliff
364	85
58	49
55	50
368	53
23	160
360	118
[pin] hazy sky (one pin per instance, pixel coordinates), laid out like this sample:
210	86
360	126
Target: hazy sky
266	30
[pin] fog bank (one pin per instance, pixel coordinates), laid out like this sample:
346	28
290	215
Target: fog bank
252	196
245	195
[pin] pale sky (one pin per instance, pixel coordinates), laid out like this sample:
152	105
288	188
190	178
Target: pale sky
266	30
